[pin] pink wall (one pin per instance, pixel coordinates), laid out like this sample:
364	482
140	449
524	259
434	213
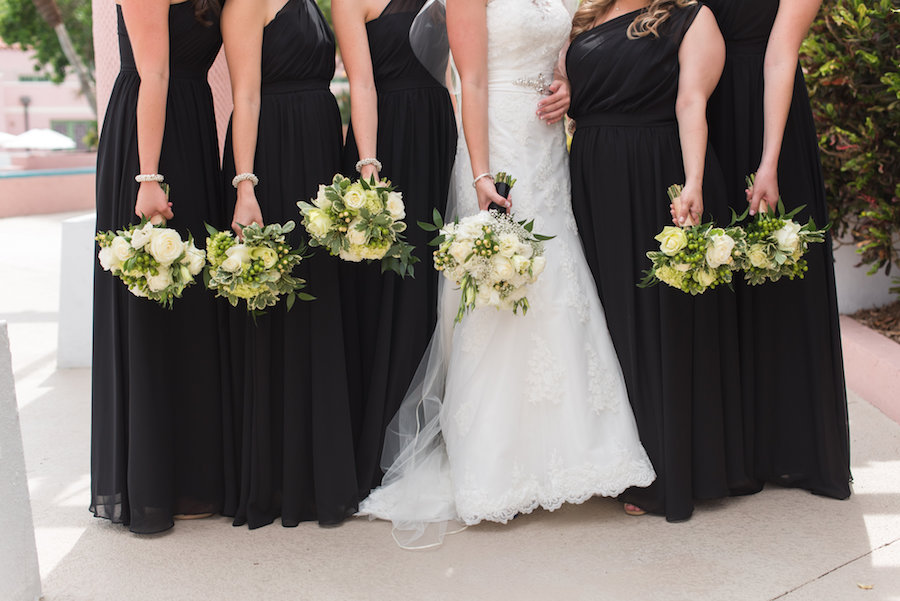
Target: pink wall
106	56
46	194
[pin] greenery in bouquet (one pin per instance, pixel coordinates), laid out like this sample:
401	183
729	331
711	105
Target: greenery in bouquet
256	269
360	221
152	260
491	257
695	258
775	244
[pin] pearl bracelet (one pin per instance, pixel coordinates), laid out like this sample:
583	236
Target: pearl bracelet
363	162
149	177
482	176
245	177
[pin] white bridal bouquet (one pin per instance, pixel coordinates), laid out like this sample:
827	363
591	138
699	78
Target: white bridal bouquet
257	269
360	221
152	260
695	258
776	244
491	257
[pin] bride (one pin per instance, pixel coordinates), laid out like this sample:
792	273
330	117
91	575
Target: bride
509	413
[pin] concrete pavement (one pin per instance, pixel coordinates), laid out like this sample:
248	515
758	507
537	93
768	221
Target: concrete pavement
779	544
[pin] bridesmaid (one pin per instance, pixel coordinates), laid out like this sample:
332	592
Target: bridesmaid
641	74
402	119
290	417
760	121
156	439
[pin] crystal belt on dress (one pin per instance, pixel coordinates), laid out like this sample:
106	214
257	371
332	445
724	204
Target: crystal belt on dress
515	81
626	120
293	87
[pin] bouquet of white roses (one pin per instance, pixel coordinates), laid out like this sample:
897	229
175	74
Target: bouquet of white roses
491	257
776	244
360	221
152	260
257	269
695	258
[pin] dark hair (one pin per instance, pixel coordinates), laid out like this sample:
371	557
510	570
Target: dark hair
203	7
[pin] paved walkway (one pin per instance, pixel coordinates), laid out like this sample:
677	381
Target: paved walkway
779	544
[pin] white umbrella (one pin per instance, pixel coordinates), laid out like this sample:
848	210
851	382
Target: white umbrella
40	139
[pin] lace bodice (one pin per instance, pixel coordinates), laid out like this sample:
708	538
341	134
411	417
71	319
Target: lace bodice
525	37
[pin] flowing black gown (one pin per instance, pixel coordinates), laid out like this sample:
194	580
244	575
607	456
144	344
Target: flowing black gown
417	145
676	351
790	339
290	438
156	440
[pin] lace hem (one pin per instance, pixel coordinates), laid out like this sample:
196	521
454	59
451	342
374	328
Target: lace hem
577	486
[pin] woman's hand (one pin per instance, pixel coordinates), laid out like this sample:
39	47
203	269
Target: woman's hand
153	203
368	172
687	210
487	194
763	195
246	211
554	107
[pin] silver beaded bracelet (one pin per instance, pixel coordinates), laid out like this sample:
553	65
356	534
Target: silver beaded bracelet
245	177
482	176
363	162
149	177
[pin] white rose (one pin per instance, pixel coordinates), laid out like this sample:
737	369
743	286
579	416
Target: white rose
537	265
705	277
682	267
194	258
483	297
355	236
788	237
355	198
457	273
321	200
719	251
526	250
395	206
449	229
758	257
137	292
141	236
237	256
672	240
459	250
269	256
161	281
520	263
502	268
509	243
121	249
470	229
165	245
318	223
108	259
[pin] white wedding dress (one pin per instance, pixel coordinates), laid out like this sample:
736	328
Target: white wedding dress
509	413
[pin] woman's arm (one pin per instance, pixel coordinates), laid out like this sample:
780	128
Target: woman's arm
243	22
701	59
791	26
147	22
467	30
350	18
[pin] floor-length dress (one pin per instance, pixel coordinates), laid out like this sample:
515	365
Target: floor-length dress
677	351
417	145
156	439
510	413
790	339
289	420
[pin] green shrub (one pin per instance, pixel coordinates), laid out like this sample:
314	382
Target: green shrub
852	65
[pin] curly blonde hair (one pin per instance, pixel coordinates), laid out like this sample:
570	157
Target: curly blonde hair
645	24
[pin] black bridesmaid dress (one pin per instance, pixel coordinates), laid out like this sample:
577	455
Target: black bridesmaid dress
676	351
289	427
417	146
790	340
156	440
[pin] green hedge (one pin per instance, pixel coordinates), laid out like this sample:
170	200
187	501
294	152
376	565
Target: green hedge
852	64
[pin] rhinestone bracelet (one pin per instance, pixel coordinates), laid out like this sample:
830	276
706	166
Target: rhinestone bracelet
363	162
149	177
482	176
245	177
